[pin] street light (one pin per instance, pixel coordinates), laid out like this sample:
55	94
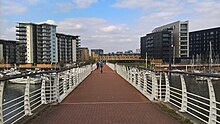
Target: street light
170	60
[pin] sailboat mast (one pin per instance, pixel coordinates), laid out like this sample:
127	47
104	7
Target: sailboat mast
210	57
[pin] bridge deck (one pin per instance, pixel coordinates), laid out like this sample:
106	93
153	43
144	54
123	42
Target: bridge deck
106	99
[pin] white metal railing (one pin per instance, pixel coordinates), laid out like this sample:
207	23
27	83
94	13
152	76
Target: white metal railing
53	88
157	86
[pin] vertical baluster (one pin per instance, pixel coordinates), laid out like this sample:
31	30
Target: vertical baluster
70	79
160	83
167	96
212	111
145	82
184	95
27	106
1	101
154	86
57	87
43	92
65	82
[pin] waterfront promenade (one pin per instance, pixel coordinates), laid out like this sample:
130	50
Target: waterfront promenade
105	99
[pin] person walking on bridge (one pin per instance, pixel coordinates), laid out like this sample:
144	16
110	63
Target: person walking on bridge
97	64
101	65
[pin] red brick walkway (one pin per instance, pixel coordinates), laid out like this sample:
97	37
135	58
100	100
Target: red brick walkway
106	99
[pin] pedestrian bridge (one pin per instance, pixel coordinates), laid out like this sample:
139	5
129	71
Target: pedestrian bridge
120	94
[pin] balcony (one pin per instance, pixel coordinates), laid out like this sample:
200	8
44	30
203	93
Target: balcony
21	30
21	38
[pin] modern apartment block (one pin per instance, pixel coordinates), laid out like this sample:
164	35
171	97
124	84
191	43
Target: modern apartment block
84	54
157	45
7	51
180	37
68	48
37	43
199	43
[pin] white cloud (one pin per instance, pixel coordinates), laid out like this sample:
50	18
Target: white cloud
9	7
110	28
99	33
8	33
67	6
84	3
50	22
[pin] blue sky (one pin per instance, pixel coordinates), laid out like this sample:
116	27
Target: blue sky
114	25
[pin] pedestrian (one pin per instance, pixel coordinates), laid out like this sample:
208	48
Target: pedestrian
97	64
101	65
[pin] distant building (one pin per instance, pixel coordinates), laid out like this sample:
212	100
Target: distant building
200	44
121	57
180	37
95	53
138	51
128	52
37	43
143	43
68	47
157	45
119	52
7	51
84	54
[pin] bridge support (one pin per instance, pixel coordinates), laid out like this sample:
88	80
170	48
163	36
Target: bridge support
167	96
184	95
1	101
27	107
212	111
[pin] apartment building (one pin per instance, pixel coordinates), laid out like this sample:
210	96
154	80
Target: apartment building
36	43
7	51
84	54
199	44
180	37
157	45
68	48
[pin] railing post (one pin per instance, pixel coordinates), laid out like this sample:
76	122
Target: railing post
70	79
56	86
167	96
77	76
65	82
154	86
184	95
50	88
27	107
212	111
139	80
74	77
145	82
160	83
43	93
1	101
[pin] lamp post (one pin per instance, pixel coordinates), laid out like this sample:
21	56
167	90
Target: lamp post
170	60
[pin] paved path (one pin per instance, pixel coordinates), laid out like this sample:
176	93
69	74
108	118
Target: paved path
106	99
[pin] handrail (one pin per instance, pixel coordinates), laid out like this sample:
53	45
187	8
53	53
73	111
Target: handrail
50	91
177	96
